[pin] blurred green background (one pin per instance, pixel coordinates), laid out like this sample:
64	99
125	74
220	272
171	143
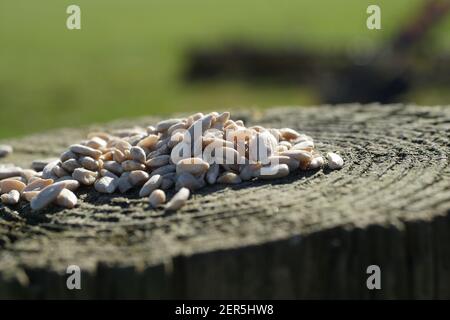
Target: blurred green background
128	58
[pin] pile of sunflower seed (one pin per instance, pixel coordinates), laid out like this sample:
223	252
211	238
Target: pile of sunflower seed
183	154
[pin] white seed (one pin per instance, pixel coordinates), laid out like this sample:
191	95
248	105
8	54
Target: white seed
40	164
166	124
66	155
5	150
10	184
122	145
102	135
158	161
85	151
38	184
335	162
46	196
124	182
8	172
106	173
304	145
288	134
84	176
70	165
89	163
304	157
249	171
182	125
69	183
152	184
47	172
113	166
138	154
187	180
131	165
167	183
292	163
96	143
178	200
138	177
213	173
274	172
157	198
164	170
59	171
229	178
12	197
29	195
149	142
194	166
316	163
118	156
66	199
106	185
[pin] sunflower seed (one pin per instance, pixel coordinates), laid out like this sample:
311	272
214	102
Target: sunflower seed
106	173
46	196
85	176
66	199
158	161
10	184
187	180
131	165
59	171
274	172
316	163
335	161
164	170
106	185
138	177
96	143
229	178
194	166
305	145
149	142
5	150
166	124
213	173
113	166
12	197
288	134
157	198
27	174
138	154
167	183
118	156
70	165
9	172
124	182
38	185
152	184
89	163
29	195
178	200
85	151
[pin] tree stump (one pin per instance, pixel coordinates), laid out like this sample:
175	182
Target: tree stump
310	235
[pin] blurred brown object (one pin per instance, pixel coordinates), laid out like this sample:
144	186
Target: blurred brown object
381	75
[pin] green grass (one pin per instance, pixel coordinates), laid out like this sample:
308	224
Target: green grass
127	59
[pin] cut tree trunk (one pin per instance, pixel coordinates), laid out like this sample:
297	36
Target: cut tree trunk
310	235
